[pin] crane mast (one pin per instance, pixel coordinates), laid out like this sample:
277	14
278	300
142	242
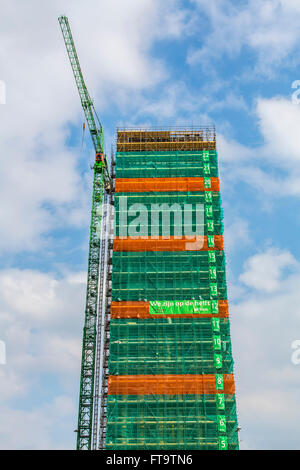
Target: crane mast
96	296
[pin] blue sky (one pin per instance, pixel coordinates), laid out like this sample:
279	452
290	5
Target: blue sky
147	63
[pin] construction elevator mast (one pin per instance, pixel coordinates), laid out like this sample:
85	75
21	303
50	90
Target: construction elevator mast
92	398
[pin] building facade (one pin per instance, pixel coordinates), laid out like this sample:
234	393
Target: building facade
170	383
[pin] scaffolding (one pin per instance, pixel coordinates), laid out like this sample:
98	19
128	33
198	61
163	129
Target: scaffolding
170	365
173	139
176	421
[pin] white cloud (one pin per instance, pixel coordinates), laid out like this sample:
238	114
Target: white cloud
232	152
236	234
231	101
264	323
175	99
46	427
41	324
263	271
279	121
272	168
269	29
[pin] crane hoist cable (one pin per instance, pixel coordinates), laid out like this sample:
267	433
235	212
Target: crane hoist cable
82	139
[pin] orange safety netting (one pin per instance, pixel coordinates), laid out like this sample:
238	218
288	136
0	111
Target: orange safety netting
139	309
197	243
141	185
168	384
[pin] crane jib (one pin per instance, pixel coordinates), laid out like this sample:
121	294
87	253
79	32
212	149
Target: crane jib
91	116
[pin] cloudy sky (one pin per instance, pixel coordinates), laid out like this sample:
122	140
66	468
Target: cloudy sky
231	62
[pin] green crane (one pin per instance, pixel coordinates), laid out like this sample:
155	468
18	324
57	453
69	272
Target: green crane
102	182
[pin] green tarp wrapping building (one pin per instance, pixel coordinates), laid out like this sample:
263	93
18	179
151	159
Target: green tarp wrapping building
171	383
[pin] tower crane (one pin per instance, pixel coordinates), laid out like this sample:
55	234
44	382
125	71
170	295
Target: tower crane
88	414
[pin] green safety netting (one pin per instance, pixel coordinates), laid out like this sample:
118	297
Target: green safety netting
157	292
169	422
168	346
137	229
166	280
132	261
159	327
169	197
163	214
203	405
167	275
169	258
165	165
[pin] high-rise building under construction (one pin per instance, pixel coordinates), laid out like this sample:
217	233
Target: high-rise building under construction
157	368
170	367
